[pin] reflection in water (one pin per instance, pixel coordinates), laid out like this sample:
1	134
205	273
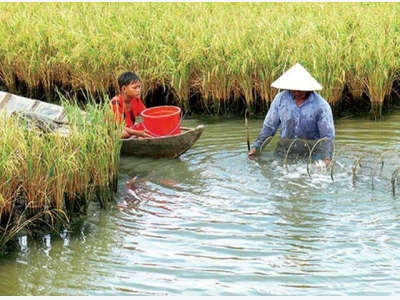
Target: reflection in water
214	222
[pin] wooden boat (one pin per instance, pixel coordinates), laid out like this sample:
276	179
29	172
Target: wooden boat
163	147
46	113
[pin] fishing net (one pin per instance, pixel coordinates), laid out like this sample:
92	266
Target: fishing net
374	167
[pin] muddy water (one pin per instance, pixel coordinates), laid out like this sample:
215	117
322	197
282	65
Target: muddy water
214	222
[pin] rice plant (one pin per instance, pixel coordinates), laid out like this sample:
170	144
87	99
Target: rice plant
225	53
49	178
9	171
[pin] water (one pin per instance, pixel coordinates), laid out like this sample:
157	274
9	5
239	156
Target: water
215	223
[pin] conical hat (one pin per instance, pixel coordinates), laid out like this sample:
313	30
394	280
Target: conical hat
297	79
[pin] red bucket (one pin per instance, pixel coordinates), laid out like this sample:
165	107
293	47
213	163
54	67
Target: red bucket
162	120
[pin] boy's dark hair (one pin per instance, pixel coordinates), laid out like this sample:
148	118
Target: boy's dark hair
127	78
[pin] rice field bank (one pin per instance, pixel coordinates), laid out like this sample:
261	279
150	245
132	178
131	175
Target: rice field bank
207	58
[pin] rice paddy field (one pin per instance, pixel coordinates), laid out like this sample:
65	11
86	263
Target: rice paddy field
209	58
212	222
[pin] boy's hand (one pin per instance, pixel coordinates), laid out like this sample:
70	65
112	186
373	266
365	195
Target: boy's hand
144	134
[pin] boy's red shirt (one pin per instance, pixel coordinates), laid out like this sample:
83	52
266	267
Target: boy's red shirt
137	106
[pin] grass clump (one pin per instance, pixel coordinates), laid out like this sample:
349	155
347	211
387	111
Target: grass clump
49	179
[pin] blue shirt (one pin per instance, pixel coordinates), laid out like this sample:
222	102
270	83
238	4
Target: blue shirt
312	120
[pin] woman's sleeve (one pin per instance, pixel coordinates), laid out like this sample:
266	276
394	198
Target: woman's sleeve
271	123
326	124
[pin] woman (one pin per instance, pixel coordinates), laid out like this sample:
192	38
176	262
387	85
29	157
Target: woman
300	111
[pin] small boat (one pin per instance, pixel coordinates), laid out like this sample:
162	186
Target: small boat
53	117
171	146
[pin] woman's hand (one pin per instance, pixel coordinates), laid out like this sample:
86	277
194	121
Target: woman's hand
327	162
251	153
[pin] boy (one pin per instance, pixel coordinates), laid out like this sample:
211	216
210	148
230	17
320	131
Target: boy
127	105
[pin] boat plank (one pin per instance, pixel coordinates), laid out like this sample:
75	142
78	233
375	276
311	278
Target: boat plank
54	112
17	103
11	103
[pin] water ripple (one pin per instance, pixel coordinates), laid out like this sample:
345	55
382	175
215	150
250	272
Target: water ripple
214	223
